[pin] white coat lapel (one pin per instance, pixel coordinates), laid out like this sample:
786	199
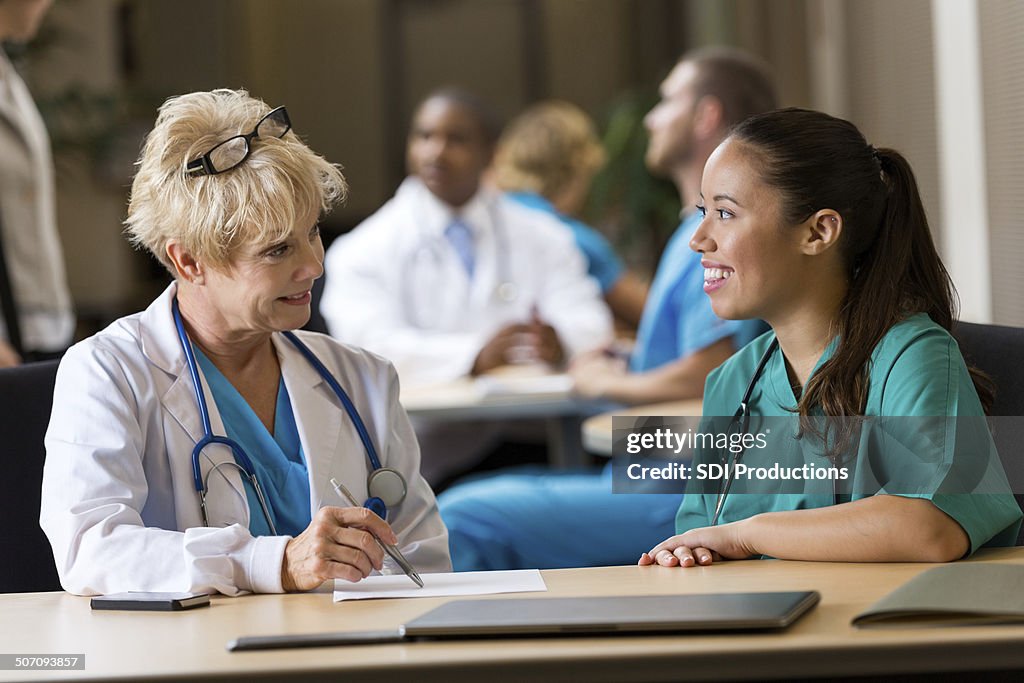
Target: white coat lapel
226	501
12	88
439	289
482	214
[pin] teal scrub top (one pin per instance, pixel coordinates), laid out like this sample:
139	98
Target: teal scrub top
925	437
276	458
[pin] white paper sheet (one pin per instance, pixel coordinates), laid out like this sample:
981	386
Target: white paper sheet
440	585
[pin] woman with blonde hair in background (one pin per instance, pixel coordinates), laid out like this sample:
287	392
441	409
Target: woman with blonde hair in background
546	159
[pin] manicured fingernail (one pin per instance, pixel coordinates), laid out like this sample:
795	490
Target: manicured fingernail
705	558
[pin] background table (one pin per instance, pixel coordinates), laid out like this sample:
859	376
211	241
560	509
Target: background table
597	434
510	394
137	645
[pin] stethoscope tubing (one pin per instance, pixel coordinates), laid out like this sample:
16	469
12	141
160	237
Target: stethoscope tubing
243	462
743	416
346	402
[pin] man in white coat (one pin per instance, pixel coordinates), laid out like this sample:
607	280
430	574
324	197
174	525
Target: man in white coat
450	278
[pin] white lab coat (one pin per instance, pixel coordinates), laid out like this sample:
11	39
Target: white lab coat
397	287
118	501
35	261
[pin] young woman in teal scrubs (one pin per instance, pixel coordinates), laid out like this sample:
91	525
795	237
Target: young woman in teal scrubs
812	229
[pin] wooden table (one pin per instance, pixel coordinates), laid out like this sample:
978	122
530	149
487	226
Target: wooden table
597	430
191	645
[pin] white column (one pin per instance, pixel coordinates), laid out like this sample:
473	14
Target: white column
962	170
826	48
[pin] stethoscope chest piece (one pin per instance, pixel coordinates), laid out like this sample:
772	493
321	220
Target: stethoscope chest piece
387	484
507	292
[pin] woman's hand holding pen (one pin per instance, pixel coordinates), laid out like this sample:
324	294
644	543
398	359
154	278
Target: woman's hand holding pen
702	546
338	544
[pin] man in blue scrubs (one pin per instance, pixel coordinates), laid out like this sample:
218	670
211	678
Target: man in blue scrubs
571	520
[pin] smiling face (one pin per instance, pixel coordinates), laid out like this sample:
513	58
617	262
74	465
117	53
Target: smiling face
754	264
448	150
267	287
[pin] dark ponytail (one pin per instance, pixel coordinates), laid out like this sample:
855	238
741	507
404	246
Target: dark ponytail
821	162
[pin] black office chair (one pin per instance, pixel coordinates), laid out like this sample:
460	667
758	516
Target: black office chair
26	396
316	321
999	352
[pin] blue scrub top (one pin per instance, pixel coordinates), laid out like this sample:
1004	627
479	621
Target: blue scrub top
276	458
678	319
928	438
602	263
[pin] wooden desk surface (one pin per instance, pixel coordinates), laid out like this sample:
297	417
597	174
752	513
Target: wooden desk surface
597	430
136	645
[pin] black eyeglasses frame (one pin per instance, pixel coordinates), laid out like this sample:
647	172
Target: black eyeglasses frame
204	164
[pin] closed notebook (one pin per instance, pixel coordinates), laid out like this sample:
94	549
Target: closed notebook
953	595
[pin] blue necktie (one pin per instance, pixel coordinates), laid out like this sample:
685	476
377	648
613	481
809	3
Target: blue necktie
461	239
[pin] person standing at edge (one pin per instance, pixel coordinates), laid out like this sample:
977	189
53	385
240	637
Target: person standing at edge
37	320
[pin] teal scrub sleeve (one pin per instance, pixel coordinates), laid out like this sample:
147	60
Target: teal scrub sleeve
694	512
929	384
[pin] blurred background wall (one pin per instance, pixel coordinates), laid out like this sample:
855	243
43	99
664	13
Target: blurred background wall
941	80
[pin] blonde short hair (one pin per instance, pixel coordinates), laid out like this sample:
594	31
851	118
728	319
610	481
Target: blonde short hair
546	147
257	202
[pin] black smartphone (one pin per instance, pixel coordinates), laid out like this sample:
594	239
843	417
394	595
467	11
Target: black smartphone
158	602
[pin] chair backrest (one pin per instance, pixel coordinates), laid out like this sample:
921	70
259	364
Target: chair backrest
316	320
999	352
26	396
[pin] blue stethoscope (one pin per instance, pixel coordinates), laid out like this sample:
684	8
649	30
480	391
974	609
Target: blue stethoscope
385	485
741	419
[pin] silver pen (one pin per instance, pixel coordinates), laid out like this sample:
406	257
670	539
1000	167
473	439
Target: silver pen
392	550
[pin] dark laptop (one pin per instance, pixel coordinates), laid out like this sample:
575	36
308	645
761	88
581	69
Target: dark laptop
569	616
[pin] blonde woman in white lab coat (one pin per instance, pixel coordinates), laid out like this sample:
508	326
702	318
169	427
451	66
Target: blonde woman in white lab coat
228	199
